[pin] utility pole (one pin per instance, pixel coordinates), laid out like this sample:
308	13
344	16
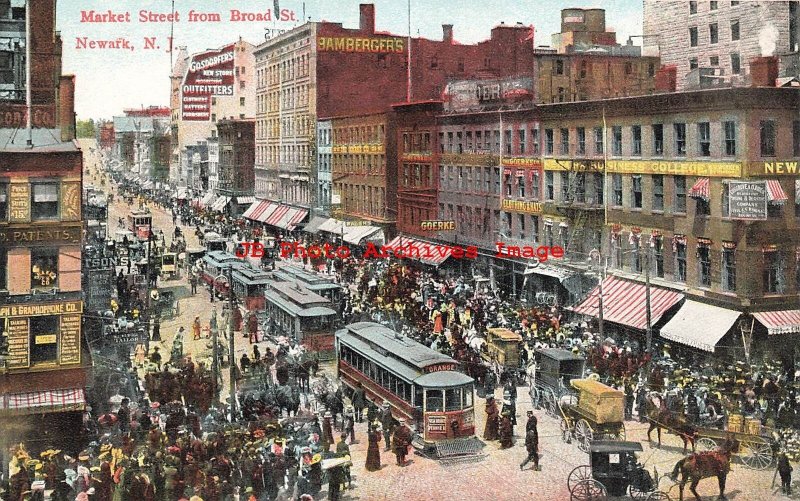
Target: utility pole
647	307
232	348
600	299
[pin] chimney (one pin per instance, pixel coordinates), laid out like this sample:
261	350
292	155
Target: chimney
763	71
666	79
447	33
66	107
367	18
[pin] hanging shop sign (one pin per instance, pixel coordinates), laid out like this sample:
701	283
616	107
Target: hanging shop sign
747	200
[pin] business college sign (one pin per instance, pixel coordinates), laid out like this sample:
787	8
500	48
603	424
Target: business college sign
675	168
210	74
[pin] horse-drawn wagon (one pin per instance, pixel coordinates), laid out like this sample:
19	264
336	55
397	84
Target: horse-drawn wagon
613	470
549	377
756	444
503	347
596	412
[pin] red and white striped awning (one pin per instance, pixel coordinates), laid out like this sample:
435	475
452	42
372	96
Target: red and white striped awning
38	402
780	322
278	214
424	252
260	210
775	192
624	302
701	189
296	219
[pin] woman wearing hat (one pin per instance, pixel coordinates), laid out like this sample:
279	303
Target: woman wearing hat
373	450
492	420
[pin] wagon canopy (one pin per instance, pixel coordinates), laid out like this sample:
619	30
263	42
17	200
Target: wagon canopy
614	446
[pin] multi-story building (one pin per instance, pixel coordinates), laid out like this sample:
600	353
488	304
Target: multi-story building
236	157
700	185
43	354
207	87
136	137
324	180
213	164
106	135
712	43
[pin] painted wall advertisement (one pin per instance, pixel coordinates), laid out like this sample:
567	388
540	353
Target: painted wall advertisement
461	95
17	322
209	74
747	200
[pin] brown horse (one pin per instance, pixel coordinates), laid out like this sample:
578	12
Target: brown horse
662	418
707	464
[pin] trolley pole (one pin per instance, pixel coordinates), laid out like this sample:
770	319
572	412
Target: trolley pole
647	309
231	347
215	372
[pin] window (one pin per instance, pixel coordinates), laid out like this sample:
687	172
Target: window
767	138
729	128
735	29
565	141
658	192
734	3
565	187
693	36
658	139
452	399
434	63
580	187
795	152
636	259
680	194
548	141
548	234
450	177
657	243
704	264
496	180
508	183
636	134
535	184
598	140
598	188
693	7
521	226
704	139
584	68
728	268
693	63
713	32
558	68
680	261
774	279
521	186
535	140
508	141
44	268
44	200
3	269
241	101
44	339
636	192
434	401
775	211
616	250
616	184
680	139
487	179
581	147
549	190
712	5
534	228
713	61
616	138
521	134
3	202
441	178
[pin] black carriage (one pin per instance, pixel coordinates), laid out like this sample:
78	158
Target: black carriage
552	371
613	470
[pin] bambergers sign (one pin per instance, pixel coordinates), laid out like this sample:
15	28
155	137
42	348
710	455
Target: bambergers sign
43	236
677	168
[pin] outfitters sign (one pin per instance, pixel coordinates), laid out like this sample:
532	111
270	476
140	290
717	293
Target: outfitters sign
209	74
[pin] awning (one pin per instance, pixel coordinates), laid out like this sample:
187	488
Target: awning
207	199
780	322
424	252
220	203
148	185
624	302
300	214
314	224
245	200
180	194
278	214
699	325
334	226
701	189
72	399
558	273
775	192
356	234
290	217
260	210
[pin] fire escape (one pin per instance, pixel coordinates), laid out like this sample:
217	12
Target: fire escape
579	206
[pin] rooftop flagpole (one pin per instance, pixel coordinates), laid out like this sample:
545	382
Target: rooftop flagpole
408	63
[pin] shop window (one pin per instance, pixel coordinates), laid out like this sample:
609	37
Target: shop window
774	272
44	268
704	264
729	269
44	200
44	339
658	192
680	261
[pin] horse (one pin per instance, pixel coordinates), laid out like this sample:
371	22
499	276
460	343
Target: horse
662	418
288	397
705	464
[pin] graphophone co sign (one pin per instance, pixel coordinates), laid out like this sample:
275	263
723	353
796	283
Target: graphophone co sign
210	74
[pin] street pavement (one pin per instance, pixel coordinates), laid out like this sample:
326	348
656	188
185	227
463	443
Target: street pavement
497	476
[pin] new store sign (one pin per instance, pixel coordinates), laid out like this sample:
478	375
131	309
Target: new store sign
210	74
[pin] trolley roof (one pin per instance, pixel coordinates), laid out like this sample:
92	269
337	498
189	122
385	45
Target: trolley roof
612	446
443	379
594	387
558	354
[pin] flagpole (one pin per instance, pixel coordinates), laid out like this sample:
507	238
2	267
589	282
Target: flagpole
171	36
408	65
28	102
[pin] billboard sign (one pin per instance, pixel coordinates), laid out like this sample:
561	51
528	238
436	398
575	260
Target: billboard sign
747	200
210	74
462	95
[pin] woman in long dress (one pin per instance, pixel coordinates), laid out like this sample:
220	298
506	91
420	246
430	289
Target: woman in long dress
373	451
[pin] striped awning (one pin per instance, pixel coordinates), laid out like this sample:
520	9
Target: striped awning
420	250
71	399
775	192
245	200
207	199
278	214
260	210
290	217
780	322
220	203
624	302
701	189
699	325
300	214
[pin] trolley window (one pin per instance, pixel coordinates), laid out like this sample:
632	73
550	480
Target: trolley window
434	401
467	396
417	396
452	399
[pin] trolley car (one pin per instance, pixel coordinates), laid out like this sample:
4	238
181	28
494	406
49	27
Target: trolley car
421	384
140	223
250	284
217	263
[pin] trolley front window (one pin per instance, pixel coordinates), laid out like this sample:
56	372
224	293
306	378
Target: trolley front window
452	399
467	396
434	401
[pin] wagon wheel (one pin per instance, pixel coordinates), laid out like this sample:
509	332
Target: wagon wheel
552	407
618	434
579	474
706	444
566	432
637	494
536	396
658	496
588	490
758	455
583	434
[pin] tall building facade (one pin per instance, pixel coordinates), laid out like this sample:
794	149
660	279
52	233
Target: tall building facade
324	179
236	151
718	40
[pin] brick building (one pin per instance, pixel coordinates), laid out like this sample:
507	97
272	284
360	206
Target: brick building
106	135
712	43
236	157
673	166
44	358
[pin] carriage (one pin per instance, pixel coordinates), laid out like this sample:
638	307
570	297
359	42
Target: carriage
613	470
503	348
596	412
757	446
550	376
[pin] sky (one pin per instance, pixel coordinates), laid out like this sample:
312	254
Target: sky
110	80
